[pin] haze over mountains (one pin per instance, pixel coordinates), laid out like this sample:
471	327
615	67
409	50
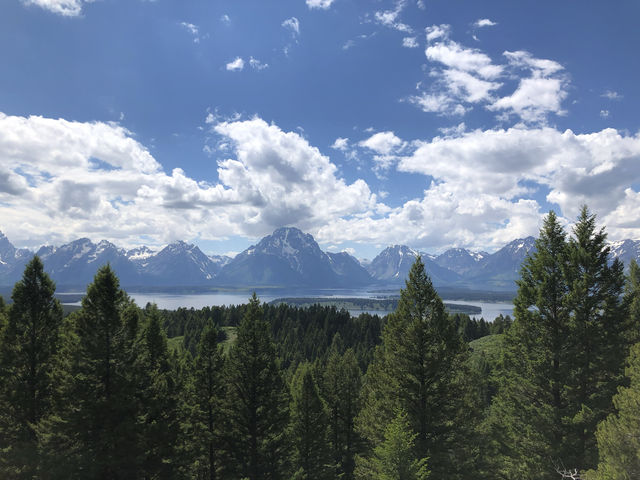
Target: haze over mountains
286	258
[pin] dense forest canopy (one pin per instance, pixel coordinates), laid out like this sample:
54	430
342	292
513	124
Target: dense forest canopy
259	391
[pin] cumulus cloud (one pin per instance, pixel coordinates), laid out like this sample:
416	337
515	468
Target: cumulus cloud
321	4
235	65
225	19
67	8
483	188
341	144
60	180
383	143
464	77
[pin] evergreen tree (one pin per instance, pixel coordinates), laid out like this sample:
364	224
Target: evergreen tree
27	358
257	401
536	363
632	302
95	428
394	458
208	395
159	393
598	345
618	436
563	356
342	386
308	427
421	368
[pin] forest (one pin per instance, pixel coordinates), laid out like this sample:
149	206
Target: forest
257	391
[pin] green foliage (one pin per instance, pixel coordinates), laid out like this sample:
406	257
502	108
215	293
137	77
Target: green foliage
257	401
28	346
207	407
563	356
618	436
394	458
95	424
341	391
309	433
421	368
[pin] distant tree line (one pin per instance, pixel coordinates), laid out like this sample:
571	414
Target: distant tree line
312	393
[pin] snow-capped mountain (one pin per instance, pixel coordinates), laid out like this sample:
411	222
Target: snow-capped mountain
392	265
179	263
626	250
461	260
289	257
76	263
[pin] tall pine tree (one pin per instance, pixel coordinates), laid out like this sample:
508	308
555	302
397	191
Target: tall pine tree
95	428
311	457
599	340
207	403
27	358
257	401
421	368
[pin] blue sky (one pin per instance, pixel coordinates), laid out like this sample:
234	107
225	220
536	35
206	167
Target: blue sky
365	123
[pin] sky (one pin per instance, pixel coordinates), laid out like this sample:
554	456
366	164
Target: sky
429	123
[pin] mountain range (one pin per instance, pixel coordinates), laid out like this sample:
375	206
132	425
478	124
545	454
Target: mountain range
286	258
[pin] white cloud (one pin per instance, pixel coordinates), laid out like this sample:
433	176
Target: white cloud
383	143
321	4
67	8
612	95
482	187
472	60
437	103
538	95
60	180
390	18
464	77
436	32
604	113
341	144
410	42
225	19
293	25
484	22
257	64
235	65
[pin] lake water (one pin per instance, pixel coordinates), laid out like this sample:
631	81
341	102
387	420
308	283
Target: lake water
490	310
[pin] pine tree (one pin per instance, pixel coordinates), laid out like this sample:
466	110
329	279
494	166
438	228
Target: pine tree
421	368
308	427
159	393
536	363
95	427
208	395
394	458
632	302
341	390
618	436
599	340
563	356
27	358
257	401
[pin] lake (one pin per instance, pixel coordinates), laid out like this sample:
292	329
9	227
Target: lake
169	301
